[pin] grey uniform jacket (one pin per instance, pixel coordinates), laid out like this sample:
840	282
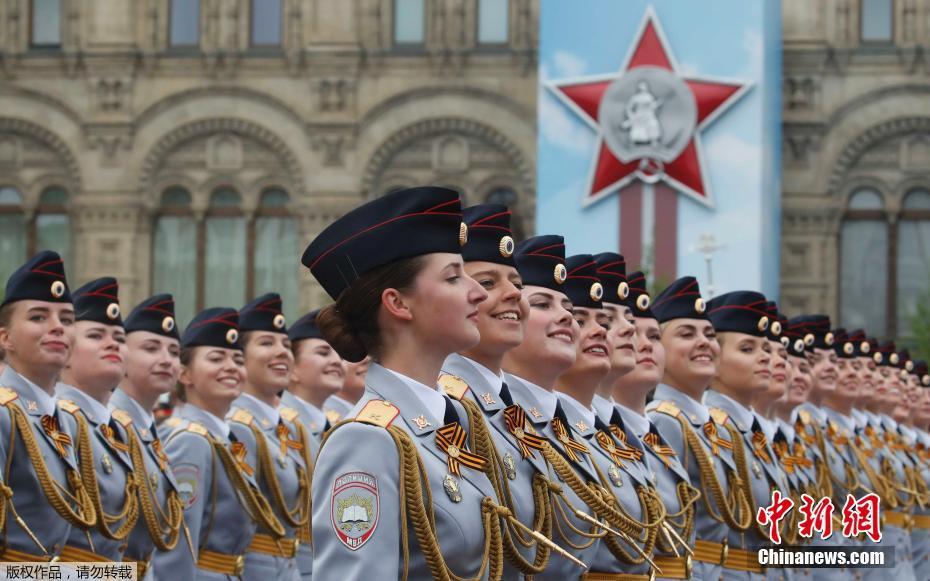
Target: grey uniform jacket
582	547
28	500
518	471
161	481
356	499
336	408
214	514
313	427
112	466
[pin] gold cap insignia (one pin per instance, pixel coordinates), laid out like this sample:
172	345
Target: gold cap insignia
925	380
776	328
463	234
232	336
865	347
58	289
597	291
623	290
763	324
849	348
112	311
785	341
560	273
877	357
893	358
167	324
828	339
799	345
809	339
506	247
278	321
909	366
642	302
699	306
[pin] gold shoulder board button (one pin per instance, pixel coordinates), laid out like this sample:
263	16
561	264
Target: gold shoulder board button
453	385
668	407
378	413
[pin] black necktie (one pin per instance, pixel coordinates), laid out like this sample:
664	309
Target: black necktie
505	394
451	416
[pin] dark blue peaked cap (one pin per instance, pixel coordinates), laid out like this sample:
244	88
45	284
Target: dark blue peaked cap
41	278
582	285
263	314
680	300
639	296
541	262
155	315
402	224
98	301
611	270
489	236
216	327
739	312
305	328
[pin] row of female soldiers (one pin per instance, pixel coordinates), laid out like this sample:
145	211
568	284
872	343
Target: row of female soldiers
525	415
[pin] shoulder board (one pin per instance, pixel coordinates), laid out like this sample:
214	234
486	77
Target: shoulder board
333	416
289	414
669	408
378	412
453	385
7	395
122	417
197	429
172	422
720	417
68	405
805	417
242	416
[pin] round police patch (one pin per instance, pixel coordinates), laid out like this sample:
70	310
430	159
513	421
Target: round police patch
188	479
356	507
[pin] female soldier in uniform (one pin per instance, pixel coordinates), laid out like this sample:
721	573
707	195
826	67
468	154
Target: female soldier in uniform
96	366
396	489
40	469
353	387
214	470
283	469
152	368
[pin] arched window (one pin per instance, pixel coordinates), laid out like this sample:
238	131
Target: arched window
275	246
266	23
45	24
12	232
876	20
864	263
52	225
409	22
493	21
174	257
184	23
913	260
225	253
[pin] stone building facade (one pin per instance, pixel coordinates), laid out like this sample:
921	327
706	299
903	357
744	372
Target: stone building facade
856	161
195	146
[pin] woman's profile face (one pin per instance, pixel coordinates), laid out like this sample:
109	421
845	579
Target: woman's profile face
502	316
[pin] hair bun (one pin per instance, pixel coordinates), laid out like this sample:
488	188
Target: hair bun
338	333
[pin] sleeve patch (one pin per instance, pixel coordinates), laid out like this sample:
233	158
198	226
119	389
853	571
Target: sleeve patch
188	479
356	506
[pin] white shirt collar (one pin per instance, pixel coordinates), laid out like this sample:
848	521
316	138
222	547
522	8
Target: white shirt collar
46	402
273	415
548	400
604	407
586	413
639	423
495	381
430	397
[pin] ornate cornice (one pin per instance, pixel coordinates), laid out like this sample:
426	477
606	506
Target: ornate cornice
867	139
55	143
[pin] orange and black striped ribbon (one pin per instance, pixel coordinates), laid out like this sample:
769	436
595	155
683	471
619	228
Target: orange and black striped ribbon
716	442
873	437
572	448
239	451
451	440
759	442
111	437
868	452
160	454
800	454
835	437
284	436
665	452
801	431
515	418
62	441
617	454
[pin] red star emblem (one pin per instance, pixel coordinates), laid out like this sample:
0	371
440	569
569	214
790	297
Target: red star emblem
684	173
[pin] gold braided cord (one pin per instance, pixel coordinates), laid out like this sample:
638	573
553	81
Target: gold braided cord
254	503
683	519
129	513
299	516
734	510
742	466
84	515
824	484
164	531
652	508
304	438
919	485
482	444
